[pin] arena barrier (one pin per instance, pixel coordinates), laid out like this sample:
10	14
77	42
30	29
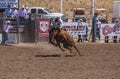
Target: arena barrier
76	29
105	32
110	32
37	30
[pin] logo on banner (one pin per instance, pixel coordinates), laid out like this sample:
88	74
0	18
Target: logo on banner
107	30
44	26
110	29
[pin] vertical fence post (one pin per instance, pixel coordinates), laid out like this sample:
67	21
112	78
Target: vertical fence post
61	6
36	29
93	23
92	7
18	24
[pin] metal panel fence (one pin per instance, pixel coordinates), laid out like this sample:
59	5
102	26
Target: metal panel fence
37	30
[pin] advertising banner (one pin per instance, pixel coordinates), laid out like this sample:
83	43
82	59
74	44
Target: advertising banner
75	28
110	30
43	28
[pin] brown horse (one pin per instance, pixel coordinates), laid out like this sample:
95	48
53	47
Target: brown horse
61	36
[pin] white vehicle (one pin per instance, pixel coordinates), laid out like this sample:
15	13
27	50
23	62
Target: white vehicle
46	13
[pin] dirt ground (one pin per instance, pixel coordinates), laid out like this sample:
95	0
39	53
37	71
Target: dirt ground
44	61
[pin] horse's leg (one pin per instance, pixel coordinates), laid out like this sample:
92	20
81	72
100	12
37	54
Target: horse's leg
60	47
51	40
69	48
77	50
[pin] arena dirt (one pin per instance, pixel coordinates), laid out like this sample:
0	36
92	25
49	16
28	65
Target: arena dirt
45	61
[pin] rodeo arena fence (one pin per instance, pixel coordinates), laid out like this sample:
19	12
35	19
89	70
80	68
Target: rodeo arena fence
104	32
37	29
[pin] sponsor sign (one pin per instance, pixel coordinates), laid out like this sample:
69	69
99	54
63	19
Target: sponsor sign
75	28
43	28
110	30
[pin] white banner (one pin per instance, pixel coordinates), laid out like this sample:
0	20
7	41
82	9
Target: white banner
4	3
75	28
110	30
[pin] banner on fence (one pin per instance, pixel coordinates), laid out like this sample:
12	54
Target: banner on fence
110	30
4	3
43	28
75	28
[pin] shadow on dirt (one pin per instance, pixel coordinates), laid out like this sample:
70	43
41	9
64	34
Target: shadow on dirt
55	55
47	55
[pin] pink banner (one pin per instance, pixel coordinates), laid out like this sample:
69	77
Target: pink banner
43	28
